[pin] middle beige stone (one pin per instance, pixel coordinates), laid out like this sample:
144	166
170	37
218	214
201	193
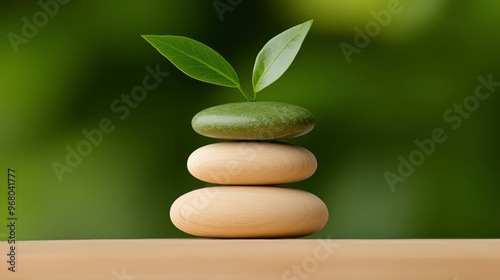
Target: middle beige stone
251	163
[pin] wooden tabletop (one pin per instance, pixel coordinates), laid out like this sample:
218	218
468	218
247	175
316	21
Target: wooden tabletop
292	259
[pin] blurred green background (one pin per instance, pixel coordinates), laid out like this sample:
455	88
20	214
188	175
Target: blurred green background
65	77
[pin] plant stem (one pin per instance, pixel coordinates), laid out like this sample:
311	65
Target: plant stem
245	94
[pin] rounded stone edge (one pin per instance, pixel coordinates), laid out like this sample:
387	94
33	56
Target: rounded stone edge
224	178
308	126
324	211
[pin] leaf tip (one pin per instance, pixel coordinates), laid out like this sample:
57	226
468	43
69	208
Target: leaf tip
309	23
146	37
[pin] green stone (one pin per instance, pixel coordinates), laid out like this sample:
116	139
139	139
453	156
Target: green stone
260	120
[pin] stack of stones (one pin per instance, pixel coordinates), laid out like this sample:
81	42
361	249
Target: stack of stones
249	199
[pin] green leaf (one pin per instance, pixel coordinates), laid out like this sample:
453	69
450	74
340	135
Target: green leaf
277	55
195	59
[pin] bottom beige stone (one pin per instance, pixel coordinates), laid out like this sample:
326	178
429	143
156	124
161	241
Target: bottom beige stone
249	212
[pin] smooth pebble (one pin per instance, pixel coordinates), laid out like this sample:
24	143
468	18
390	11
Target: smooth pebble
260	120
249	212
251	163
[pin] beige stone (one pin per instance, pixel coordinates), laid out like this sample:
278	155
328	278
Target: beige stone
249	212
251	163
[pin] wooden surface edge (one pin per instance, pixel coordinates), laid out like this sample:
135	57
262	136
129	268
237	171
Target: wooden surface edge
144	259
